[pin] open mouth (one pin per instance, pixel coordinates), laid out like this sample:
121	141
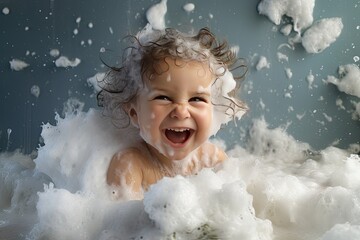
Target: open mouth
178	136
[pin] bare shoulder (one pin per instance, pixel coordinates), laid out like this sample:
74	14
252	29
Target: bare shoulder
215	154
126	169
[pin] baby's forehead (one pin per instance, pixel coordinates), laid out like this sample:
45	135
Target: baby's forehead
180	73
169	65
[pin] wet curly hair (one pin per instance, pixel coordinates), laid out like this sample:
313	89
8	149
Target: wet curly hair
141	59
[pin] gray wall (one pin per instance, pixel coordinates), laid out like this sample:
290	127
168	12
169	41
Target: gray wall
35	27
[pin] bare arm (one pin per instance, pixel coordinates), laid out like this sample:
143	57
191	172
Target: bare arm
125	174
221	155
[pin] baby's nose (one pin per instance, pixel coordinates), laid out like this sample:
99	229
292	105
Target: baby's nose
180	111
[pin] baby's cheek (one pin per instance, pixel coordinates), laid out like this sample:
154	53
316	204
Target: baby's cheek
145	132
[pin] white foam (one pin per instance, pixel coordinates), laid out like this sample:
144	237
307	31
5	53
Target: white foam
356	113
189	7
288	73
64	61
262	63
54	52
5	10
321	34
339	102
349	81
18	65
310	79
94	81
282	57
342	231
156	15
35	90
274	188
300	12
286	30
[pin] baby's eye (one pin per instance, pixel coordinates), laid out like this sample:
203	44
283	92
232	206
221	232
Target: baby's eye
162	97
197	99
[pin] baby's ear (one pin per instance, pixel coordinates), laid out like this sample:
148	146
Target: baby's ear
133	116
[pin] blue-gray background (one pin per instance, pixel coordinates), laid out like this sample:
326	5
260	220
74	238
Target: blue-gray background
33	28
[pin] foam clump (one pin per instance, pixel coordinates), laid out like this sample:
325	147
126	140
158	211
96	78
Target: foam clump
321	34
19	183
65	62
300	11
349	79
262	63
344	231
69	160
274	143
156	15
18	65
189	7
165	210
197	208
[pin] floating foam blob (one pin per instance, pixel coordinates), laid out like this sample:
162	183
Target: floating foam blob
288	73
156	15
54	52
310	78
262	63
322	34
18	65
300	11
349	81
282	57
5	10
189	7
35	90
286	30
356	113
65	62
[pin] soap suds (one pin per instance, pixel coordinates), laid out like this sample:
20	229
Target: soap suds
321	34
5	10
189	7
156	15
35	90
18	65
348	81
300	12
65	62
262	63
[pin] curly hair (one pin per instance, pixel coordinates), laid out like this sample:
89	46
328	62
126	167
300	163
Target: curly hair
148	49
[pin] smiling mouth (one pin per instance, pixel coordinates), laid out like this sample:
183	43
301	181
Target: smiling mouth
178	135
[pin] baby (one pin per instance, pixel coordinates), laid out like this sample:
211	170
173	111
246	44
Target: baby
177	90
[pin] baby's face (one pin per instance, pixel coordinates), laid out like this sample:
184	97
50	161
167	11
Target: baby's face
174	111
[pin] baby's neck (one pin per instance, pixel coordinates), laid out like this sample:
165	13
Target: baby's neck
170	167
